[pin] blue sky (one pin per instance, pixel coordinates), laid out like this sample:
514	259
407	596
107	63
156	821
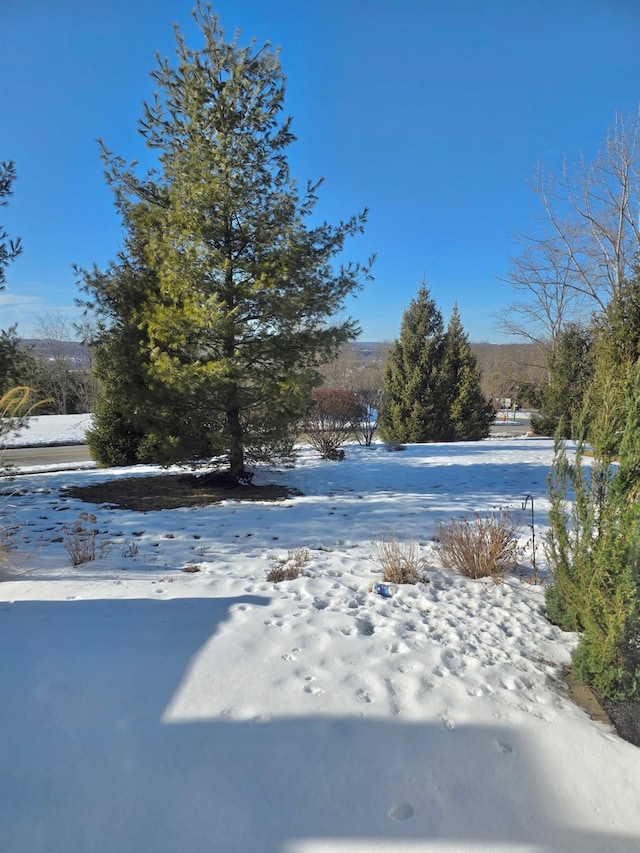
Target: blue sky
432	113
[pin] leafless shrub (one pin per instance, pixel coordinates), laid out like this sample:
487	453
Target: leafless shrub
8	530
364	428
130	549
5	546
81	541
191	568
333	418
480	546
289	568
400	561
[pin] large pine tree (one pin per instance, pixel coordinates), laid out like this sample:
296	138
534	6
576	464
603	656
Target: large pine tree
431	384
221	302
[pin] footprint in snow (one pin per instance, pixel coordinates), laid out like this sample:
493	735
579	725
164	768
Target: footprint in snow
365	627
401	811
261	720
447	722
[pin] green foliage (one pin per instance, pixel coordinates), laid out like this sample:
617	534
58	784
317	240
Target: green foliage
617	349
470	413
431	384
17	365
570	366
412	409
113	440
594	551
9	249
137	421
222	296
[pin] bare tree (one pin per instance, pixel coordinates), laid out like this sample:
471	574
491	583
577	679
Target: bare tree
544	282
87	381
65	374
359	370
509	370
588	241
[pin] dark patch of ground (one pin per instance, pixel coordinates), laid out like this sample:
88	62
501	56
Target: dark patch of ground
625	717
622	714
171	491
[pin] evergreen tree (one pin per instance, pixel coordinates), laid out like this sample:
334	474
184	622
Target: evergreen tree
14	362
414	409
431	383
616	351
135	418
220	304
18	367
470	413
9	249
594	552
571	365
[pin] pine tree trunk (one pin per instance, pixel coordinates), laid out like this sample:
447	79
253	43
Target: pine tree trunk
236	444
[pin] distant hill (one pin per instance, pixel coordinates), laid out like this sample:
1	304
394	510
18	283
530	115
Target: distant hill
73	352
374	350
502	366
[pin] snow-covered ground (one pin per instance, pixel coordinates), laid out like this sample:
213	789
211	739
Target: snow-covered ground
145	708
50	429
71	429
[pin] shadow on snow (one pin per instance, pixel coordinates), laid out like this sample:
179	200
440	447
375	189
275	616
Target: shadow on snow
89	764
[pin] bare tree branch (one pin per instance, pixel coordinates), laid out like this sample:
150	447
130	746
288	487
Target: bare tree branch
589	238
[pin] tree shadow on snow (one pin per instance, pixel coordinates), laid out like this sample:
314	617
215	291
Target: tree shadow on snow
88	763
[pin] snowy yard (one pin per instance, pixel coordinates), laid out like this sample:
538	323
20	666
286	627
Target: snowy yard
146	708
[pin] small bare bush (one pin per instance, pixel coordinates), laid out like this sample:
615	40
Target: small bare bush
5	547
480	546
130	549
81	541
289	568
400	561
334	416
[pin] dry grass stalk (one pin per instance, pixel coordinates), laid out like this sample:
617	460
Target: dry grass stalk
81	540
290	568
480	546
400	561
5	547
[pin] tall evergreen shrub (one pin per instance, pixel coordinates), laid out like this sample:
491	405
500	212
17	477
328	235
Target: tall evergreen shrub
594	553
431	383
